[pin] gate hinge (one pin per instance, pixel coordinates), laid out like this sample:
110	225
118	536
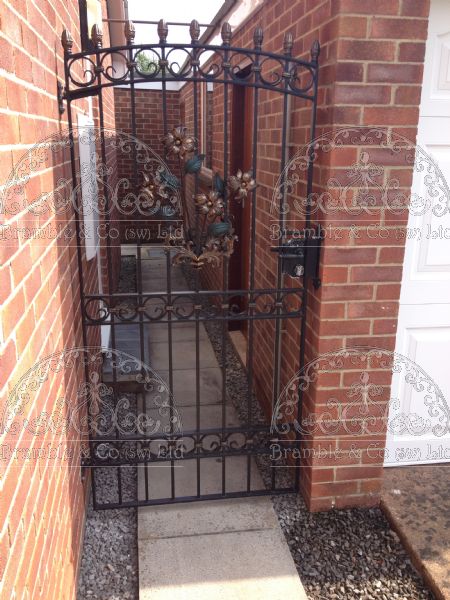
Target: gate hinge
300	255
60	93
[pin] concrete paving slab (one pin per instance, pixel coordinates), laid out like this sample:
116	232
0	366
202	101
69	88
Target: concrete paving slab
185	474
184	385
210	417
130	331
183	355
218	516
158	332
248	565
417	502
156	281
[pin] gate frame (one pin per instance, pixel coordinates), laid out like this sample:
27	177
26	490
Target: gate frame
285	83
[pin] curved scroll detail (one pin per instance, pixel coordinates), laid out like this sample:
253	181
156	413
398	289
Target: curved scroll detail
285	302
211	62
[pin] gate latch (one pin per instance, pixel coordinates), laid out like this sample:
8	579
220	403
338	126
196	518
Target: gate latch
300	255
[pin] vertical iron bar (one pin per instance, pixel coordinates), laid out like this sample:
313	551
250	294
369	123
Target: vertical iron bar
195	32
315	51
258	39
67	44
141	344
170	341
96	35
163	31
226	32
288	43
129	35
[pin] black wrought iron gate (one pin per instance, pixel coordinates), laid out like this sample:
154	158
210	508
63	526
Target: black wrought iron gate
176	417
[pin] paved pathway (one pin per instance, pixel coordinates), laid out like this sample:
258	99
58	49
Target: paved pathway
223	549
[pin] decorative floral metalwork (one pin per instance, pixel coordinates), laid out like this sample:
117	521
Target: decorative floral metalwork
178	143
210	204
211	236
241	184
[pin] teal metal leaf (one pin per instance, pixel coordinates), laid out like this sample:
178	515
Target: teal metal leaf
194	164
218	184
170	180
218	229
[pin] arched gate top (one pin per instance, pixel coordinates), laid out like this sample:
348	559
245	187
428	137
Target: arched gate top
89	71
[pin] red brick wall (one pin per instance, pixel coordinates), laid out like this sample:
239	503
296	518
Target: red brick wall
149	131
42	501
370	76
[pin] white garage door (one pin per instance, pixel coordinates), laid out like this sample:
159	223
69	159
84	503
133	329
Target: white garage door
424	320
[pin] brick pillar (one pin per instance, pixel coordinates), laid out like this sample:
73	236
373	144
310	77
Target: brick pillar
371	78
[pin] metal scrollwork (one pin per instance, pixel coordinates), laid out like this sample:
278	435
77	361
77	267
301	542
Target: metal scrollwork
211	63
213	305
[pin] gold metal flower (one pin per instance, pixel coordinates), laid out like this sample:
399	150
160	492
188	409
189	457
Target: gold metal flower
241	184
178	143
149	190
209	204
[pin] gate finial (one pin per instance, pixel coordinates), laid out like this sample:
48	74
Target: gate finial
288	43
226	33
194	30
315	50
163	31
67	41
96	36
258	37
130	31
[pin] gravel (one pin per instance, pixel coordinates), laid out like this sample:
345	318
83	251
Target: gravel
348	554
109	561
109	564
